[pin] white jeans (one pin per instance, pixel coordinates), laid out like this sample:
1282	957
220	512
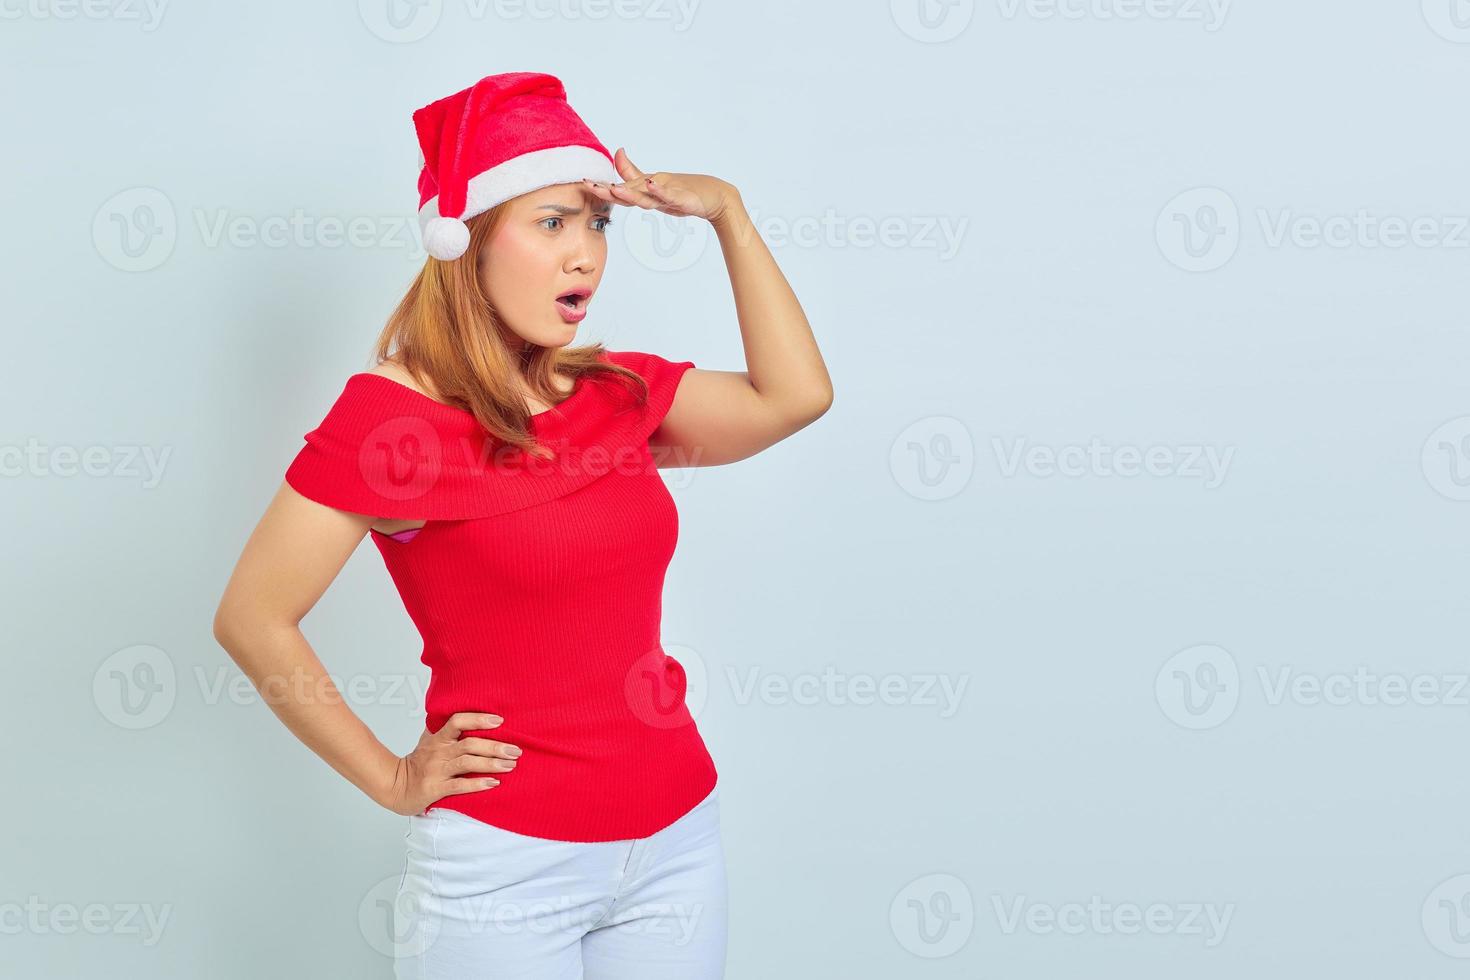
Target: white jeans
480	903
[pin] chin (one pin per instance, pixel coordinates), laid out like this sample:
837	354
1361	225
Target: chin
562	337
559	336
553	343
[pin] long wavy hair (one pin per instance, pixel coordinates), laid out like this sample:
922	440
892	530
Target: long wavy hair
446	332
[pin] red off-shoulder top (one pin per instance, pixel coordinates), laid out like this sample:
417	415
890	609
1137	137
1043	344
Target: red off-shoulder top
537	588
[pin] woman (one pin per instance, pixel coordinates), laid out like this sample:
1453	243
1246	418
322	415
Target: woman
562	805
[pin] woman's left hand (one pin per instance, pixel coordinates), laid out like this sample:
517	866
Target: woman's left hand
695	195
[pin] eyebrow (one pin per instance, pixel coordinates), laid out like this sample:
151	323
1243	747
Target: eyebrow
603	208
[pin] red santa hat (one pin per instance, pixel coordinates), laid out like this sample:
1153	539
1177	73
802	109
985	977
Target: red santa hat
503	136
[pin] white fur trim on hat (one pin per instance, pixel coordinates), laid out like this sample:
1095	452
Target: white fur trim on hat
516	176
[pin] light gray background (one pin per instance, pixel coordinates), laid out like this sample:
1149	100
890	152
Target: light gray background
1115	644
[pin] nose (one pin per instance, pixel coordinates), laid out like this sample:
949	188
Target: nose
587	248
584	252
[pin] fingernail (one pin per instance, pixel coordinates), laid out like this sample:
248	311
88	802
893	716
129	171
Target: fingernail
496	720
514	751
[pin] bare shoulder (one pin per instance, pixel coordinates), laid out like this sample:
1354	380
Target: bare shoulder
394	371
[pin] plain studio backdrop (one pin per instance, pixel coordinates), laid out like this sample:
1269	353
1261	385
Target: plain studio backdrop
1111	624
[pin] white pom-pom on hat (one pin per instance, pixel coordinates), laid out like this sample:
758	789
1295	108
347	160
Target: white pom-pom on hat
446	238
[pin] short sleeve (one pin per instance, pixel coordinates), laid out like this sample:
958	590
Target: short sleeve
375	452
662	377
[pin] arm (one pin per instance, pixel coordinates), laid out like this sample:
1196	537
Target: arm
723	416
294	553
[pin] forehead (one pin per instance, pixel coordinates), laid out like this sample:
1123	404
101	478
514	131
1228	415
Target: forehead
562	199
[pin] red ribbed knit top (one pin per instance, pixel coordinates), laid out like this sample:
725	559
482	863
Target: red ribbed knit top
537	588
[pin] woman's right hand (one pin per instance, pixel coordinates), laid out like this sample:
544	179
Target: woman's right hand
431	771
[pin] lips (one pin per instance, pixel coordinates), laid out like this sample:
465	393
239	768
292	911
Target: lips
572	304
575	298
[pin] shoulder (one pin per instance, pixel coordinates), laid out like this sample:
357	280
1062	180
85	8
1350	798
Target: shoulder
394	371
387	395
651	367
380	447
661	374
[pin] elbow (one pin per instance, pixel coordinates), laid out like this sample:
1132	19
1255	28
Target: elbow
240	623
826	401
818	406
232	624
799	416
225	627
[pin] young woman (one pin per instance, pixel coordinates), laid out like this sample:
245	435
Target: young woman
562	805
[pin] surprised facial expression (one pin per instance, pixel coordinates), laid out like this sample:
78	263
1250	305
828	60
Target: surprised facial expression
543	263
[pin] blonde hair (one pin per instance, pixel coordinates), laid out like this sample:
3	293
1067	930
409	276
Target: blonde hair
445	330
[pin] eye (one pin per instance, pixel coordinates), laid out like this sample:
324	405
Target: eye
605	222
553	218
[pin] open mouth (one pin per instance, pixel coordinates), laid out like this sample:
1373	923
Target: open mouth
574	299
